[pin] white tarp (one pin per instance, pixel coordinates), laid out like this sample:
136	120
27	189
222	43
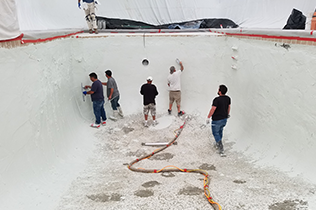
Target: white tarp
35	15
49	15
40	15
9	25
246	13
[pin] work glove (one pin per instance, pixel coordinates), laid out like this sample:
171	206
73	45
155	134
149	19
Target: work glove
207	121
79	5
84	92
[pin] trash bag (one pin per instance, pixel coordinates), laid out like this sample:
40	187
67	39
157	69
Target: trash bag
218	23
201	23
296	20
113	23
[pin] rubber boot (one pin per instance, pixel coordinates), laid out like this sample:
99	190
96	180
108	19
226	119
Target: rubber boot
120	112
115	114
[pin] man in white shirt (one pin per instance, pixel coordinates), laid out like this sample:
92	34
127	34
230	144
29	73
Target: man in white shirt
174	83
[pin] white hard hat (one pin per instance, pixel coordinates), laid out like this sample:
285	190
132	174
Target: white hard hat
149	78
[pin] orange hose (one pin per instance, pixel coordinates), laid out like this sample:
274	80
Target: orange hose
205	180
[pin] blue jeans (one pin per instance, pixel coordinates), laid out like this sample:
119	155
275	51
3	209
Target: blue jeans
115	103
217	129
98	110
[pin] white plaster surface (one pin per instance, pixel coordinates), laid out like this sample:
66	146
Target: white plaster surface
46	141
163	122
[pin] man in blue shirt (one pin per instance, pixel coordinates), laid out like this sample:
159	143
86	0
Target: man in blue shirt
97	97
89	9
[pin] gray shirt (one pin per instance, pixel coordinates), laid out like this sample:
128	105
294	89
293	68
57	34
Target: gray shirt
112	84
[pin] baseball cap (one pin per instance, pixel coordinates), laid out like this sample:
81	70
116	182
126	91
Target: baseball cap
149	78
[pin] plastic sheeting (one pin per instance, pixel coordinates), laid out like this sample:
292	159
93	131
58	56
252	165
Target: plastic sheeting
9	25
245	13
49	15
111	23
60	14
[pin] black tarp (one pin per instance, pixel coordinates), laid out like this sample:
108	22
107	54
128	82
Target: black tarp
112	23
296	20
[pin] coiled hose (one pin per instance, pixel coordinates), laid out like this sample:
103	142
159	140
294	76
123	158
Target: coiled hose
171	168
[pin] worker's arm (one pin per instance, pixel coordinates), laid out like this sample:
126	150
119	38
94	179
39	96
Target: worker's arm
228	111
211	112
181	66
104	83
111	93
90	92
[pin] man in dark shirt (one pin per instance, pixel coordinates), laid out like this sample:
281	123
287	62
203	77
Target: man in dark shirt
97	97
149	92
219	113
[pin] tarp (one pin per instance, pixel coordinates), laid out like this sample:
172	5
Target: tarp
113	23
59	14
9	25
245	13
40	15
